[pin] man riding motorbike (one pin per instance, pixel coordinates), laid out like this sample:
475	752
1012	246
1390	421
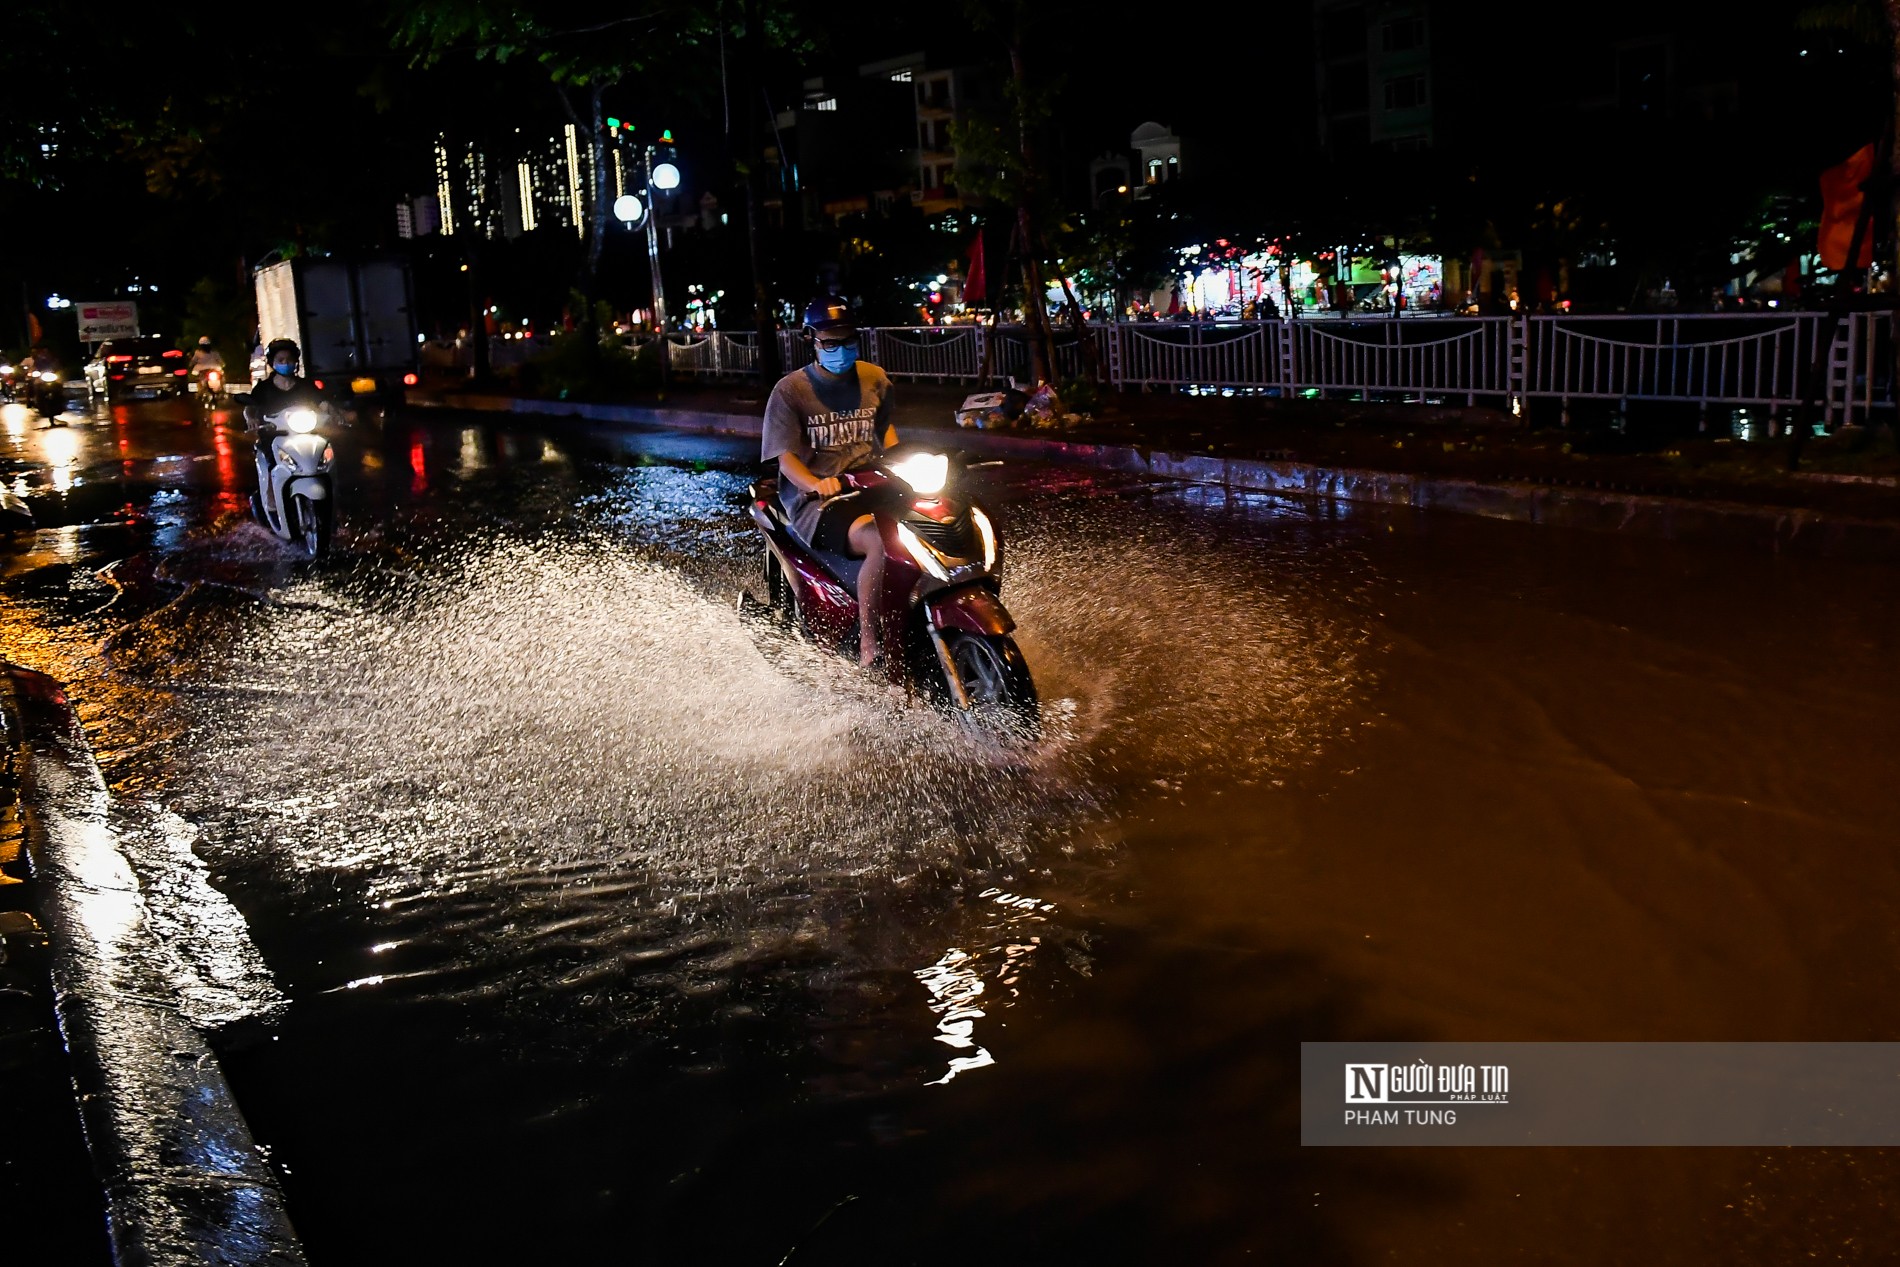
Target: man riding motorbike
830	417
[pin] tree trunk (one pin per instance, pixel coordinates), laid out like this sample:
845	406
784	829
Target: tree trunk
477	317
1035	307
596	222
1083	344
597	213
1892	226
764	327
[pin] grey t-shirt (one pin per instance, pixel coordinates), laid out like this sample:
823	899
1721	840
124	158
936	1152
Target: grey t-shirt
830	424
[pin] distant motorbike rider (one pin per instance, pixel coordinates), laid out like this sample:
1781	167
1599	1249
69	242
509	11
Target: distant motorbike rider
205	357
40	362
830	417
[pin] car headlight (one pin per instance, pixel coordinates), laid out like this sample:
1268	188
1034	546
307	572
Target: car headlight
988	534
924	472
926	557
302	421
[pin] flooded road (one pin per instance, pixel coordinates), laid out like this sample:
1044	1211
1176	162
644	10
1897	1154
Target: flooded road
543	907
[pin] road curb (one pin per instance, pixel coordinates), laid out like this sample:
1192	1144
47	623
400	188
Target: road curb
183	1180
1777	529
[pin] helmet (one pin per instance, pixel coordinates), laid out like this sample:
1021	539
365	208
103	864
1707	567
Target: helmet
829	314
283	345
204	340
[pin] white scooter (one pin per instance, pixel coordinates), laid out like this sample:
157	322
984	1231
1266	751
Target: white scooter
294	497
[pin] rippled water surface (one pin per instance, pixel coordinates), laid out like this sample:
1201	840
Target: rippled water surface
547	907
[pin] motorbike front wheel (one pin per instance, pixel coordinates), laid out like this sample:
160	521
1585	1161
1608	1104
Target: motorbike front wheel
996	681
314	523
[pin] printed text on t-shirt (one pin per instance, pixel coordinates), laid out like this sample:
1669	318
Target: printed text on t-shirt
845	426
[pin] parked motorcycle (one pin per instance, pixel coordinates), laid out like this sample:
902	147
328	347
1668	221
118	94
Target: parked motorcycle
947	631
294	496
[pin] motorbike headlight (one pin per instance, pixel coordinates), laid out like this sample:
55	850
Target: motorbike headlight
5	370
924	472
302	421
926	557
988	534
47	376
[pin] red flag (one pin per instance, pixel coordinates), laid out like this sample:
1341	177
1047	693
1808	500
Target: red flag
975	278
1841	199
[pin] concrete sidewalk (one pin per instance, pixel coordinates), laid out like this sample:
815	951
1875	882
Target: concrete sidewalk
174	1176
1850	520
51	1208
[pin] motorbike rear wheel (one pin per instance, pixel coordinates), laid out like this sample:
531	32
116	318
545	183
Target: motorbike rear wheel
995	679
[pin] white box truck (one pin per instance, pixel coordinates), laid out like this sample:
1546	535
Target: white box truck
353	319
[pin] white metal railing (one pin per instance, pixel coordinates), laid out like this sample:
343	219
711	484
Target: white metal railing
1738	358
715	354
940	353
1728	358
1469	356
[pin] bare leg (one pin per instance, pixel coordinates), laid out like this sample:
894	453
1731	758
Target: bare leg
865	541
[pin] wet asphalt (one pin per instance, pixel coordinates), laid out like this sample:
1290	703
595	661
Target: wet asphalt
539	905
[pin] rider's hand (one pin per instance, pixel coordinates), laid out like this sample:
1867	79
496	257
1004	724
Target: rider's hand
828	487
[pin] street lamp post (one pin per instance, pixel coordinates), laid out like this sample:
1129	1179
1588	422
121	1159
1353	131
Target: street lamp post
653	246
663	177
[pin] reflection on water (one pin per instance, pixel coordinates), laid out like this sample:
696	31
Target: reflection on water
955	985
959	980
61	447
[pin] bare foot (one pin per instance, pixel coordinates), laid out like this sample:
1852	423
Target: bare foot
867	656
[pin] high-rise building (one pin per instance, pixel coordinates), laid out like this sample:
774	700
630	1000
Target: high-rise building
542	184
1374	75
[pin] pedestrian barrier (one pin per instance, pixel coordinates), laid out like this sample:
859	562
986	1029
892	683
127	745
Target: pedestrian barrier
1764	359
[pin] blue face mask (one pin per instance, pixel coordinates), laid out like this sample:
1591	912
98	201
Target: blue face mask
838	360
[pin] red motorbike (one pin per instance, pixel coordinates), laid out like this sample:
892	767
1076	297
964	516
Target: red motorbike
946	631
